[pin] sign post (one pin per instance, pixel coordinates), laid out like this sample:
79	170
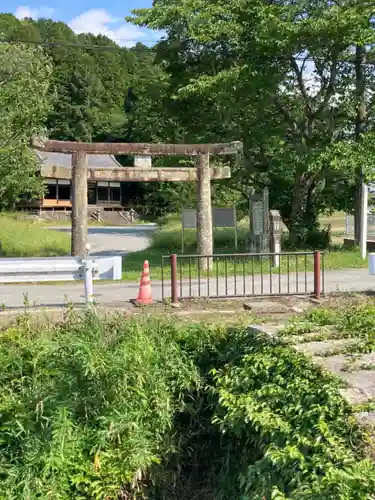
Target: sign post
221	217
235	228
188	221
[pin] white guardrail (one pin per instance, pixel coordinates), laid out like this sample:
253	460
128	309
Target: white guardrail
38	270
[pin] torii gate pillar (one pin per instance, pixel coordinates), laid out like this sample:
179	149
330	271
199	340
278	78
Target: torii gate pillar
204	211
79	204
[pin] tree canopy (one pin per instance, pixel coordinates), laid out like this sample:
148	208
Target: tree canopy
280	76
25	99
283	77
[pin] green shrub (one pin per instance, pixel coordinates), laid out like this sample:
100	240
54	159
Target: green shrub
295	434
270	425
107	408
322	316
359	322
316	239
85	406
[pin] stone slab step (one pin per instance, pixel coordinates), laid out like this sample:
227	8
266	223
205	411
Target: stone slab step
266	330
318	335
363	380
334	364
341	362
325	346
353	396
266	307
360	384
366	418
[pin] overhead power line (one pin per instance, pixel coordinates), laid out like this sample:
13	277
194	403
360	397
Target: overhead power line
88	46
74	45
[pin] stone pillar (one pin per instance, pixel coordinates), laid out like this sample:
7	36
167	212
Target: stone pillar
79	204
275	236
259	222
204	210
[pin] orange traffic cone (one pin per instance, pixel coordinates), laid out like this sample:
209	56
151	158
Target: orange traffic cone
144	294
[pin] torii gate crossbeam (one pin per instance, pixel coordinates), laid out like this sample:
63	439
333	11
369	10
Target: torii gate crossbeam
80	173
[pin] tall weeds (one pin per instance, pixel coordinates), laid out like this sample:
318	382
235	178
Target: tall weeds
85	406
25	238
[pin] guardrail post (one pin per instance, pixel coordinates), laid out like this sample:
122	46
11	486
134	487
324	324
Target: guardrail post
317	275
89	287
174	291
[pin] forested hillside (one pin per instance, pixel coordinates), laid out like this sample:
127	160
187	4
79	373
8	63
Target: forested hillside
293	81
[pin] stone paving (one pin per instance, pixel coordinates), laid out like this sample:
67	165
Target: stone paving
356	370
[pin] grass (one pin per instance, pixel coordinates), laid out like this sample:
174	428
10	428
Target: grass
29	239
167	240
337	221
20	238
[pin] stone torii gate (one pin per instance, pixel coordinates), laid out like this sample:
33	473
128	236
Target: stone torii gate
142	171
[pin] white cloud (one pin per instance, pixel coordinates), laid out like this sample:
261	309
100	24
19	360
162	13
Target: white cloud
100	22
95	21
24	11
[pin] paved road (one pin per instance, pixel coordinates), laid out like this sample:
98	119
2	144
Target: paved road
12	296
116	240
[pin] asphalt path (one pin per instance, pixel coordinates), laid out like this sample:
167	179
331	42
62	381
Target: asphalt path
116	240
117	293
120	240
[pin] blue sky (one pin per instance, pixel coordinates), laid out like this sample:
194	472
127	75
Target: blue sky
93	16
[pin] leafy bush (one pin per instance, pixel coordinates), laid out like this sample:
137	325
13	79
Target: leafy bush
315	239
270	425
296	433
110	408
359	322
356	322
85	406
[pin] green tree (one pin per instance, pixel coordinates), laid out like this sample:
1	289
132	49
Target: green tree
281	77
91	75
90	82
25	98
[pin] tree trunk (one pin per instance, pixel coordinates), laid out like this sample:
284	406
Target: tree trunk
297	224
311	216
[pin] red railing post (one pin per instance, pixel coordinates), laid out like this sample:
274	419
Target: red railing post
174	291
317	275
